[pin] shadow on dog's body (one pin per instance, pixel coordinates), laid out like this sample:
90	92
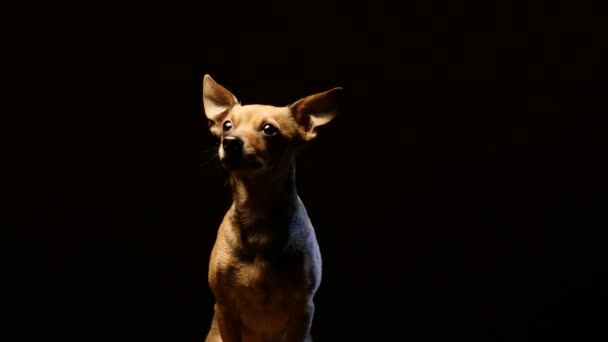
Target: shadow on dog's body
265	266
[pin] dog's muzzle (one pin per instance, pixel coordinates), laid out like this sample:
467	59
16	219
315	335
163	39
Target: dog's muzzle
233	147
234	156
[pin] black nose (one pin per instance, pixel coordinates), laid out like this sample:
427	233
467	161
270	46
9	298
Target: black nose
233	146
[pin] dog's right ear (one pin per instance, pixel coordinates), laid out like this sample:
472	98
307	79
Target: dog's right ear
217	102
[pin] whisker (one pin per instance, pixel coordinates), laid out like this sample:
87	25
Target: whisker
210	157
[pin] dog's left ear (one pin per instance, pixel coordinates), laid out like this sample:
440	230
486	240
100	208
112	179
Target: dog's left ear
315	110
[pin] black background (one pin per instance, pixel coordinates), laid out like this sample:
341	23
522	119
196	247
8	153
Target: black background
459	194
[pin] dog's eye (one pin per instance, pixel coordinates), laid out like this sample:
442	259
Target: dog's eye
227	126
269	129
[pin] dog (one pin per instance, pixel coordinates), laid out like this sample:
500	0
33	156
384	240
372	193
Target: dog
265	265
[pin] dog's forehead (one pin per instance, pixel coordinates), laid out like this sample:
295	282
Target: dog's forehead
251	113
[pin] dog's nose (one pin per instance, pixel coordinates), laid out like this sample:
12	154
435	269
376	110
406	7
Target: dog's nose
233	146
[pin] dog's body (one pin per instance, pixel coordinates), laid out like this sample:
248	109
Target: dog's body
265	265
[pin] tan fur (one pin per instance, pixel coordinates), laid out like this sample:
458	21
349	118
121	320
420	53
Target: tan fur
265	266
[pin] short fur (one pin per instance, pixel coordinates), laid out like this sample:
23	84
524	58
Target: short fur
265	266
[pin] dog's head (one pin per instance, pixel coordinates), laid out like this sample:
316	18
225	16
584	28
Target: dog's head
257	137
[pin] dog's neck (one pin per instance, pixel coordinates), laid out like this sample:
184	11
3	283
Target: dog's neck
264	201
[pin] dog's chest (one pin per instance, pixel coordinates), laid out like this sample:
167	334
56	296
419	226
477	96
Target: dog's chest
261	281
262	290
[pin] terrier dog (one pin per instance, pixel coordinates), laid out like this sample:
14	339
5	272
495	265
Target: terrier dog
265	265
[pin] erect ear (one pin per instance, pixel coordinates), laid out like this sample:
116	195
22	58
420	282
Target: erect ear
315	110
217	101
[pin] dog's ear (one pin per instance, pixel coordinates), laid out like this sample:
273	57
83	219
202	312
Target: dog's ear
217	101
315	110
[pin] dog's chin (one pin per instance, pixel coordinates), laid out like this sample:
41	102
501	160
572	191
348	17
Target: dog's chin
242	164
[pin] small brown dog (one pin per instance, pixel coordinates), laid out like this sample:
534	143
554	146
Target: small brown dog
265	265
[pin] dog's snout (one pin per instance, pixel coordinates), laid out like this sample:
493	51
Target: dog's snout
233	146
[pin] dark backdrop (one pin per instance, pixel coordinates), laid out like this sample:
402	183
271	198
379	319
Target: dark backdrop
459	194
